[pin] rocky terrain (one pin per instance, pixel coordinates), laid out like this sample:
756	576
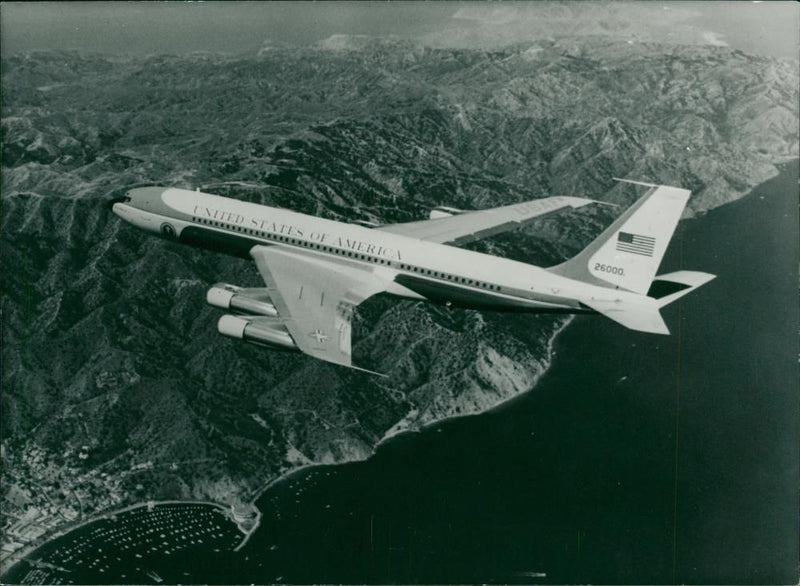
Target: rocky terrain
116	386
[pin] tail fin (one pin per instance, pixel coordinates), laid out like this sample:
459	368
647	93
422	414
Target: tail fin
627	254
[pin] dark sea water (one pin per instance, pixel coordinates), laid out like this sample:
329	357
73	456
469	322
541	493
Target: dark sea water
636	459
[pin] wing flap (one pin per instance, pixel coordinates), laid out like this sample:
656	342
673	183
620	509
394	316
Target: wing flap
471	226
316	299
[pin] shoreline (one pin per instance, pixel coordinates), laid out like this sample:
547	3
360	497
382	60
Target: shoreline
548	361
425	426
27	550
390	435
228	511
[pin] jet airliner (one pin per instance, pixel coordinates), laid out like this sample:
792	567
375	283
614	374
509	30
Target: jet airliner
317	271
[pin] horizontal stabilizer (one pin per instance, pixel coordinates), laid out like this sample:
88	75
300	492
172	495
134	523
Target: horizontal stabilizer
667	288
641	314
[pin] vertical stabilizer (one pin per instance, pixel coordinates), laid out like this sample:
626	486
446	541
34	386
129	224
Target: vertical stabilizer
627	254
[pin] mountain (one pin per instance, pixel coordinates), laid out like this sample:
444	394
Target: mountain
116	386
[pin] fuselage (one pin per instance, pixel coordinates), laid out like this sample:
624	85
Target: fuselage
413	268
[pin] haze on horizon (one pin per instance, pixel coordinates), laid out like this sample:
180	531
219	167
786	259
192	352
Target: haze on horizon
181	27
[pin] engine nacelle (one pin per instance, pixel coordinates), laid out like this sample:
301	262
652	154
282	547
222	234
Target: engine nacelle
264	331
252	301
444	212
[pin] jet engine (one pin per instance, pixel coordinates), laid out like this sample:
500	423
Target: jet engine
263	331
250	301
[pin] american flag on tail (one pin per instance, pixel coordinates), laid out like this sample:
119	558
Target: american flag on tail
635	243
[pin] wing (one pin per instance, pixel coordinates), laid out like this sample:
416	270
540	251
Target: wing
316	298
471	226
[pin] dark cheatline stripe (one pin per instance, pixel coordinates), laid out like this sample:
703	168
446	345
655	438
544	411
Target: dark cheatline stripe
472	298
218	241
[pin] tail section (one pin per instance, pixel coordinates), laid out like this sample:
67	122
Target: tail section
640	314
627	254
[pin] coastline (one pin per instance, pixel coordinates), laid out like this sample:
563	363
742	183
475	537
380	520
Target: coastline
29	549
393	433
586	465
227	509
548	360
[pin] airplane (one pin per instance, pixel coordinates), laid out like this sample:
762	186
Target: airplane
317	271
